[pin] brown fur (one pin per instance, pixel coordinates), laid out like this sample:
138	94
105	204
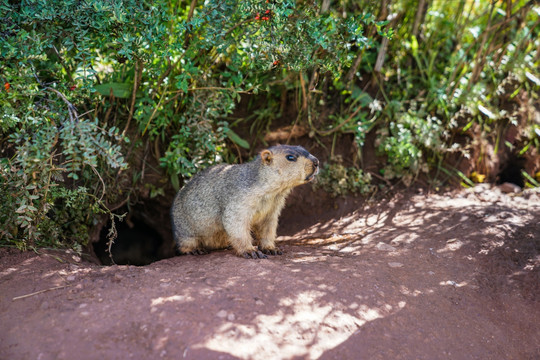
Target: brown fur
239	205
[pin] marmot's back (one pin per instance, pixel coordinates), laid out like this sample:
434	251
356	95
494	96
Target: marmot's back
198	206
232	204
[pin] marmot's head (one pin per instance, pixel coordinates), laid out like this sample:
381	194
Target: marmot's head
290	165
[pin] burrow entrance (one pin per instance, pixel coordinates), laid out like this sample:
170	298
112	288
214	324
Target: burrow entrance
143	237
511	171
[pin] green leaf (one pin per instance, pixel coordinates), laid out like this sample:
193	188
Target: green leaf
119	90
234	137
21	209
532	181
466	181
363	97
175	181
414	46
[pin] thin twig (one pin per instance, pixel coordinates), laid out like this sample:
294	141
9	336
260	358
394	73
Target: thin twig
71	109
304	92
152	116
102	182
388	183
420	13
509	17
86	113
333	130
380	57
481	54
354	67
237	25
111	101
191	10
39	292
248	91
163	76
118	206
138	78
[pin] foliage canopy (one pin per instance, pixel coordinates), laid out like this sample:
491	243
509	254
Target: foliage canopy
92	89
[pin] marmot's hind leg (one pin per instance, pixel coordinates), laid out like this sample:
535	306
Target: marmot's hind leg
190	246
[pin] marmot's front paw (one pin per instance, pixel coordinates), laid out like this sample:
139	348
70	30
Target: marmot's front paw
274	251
255	254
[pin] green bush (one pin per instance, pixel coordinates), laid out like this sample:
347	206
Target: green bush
405	143
465	63
88	86
339	180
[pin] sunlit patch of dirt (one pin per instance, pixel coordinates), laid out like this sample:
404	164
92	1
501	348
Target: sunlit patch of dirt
452	275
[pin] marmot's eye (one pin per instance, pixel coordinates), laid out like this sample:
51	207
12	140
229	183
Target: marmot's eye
290	157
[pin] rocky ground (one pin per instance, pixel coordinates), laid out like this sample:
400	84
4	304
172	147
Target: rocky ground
439	276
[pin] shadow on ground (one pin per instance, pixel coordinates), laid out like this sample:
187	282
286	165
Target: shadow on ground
413	277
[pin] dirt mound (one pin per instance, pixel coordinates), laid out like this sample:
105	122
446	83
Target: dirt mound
413	277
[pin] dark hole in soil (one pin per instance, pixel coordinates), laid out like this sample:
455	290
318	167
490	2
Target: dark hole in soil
137	244
511	171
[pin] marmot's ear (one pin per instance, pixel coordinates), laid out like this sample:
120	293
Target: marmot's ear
267	157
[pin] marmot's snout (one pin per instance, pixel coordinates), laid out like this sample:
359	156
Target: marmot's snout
315	168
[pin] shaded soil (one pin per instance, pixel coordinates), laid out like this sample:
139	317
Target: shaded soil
412	277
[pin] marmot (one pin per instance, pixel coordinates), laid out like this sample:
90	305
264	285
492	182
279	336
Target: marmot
239	205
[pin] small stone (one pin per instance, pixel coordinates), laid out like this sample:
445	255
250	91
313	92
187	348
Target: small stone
259	302
231	317
509	188
395	264
481	188
222	314
384	247
532	194
70	278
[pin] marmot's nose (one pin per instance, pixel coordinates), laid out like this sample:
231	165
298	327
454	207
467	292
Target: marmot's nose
315	162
